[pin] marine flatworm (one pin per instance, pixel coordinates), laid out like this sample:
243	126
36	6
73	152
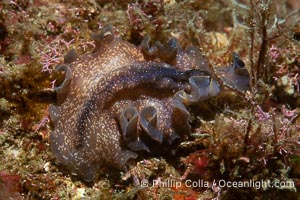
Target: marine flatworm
121	99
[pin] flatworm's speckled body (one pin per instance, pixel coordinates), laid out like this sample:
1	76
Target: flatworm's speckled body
120	100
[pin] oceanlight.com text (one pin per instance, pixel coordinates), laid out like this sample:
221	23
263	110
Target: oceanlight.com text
257	184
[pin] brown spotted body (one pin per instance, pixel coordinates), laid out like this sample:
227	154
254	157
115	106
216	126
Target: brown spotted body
114	103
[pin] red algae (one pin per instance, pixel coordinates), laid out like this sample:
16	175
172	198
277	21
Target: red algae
10	186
